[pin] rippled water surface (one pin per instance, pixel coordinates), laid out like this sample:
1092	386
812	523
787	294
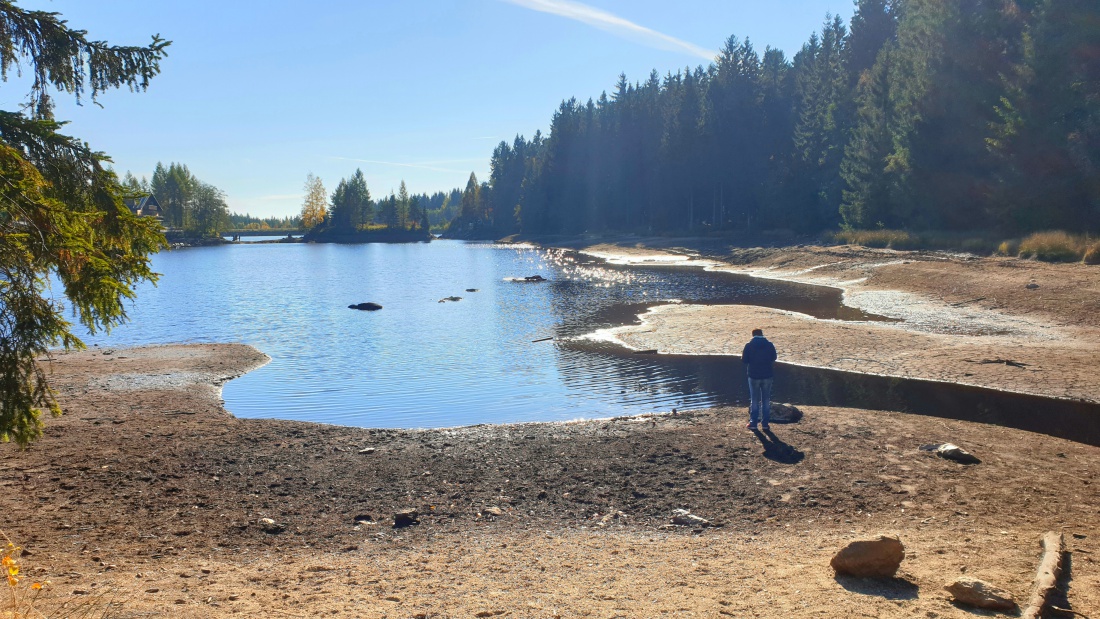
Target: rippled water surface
420	362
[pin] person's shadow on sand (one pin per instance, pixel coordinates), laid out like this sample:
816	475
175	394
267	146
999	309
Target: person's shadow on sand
776	450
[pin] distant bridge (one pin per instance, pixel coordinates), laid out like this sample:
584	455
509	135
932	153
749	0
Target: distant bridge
270	232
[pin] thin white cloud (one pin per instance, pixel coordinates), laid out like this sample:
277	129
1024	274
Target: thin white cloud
614	24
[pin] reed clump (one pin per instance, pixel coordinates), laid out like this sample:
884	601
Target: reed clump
1048	246
1053	246
1092	254
883	238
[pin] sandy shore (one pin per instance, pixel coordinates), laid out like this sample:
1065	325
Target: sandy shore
149	495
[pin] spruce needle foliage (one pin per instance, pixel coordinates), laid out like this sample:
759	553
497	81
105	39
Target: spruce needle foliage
62	217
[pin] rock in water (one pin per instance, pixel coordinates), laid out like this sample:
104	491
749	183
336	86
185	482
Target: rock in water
369	307
980	594
870	558
784	413
452	299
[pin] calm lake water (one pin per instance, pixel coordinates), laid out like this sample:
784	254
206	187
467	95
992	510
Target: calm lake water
420	362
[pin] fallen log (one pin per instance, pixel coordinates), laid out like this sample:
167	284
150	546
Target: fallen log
1046	578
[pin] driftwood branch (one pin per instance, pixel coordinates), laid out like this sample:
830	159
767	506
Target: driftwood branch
1010	362
1046	579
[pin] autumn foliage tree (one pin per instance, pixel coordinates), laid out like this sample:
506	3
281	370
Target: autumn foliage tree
313	207
61	209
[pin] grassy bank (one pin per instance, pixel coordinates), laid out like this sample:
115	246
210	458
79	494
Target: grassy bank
1049	246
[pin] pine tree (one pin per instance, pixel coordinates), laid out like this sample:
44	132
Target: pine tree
867	200
1047	135
470	199
822	126
401	210
62	213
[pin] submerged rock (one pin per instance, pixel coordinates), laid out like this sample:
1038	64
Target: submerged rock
445	299
369	307
534	278
879	557
980	594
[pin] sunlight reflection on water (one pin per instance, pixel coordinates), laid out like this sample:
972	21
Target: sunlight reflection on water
420	362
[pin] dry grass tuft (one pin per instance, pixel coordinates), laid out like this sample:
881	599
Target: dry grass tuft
1053	246
892	239
1092	254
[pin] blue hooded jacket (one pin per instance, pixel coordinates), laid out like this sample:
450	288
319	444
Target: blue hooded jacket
759	357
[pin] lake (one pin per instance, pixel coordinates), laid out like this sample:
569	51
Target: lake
423	362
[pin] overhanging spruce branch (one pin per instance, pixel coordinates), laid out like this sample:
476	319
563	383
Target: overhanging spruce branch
65	59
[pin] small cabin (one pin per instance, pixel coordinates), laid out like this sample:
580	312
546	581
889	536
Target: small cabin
145	206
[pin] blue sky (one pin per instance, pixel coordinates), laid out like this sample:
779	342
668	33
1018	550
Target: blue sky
255	95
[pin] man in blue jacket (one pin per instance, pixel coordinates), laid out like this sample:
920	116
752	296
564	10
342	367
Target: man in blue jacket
759	357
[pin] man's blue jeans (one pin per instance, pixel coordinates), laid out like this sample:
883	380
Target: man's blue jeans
760	400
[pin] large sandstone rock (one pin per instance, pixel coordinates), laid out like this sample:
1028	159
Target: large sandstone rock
980	594
870	558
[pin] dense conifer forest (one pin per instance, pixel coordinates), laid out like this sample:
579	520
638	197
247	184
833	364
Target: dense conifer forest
919	114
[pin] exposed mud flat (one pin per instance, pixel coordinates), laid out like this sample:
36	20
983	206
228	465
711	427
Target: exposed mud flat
960	317
148	493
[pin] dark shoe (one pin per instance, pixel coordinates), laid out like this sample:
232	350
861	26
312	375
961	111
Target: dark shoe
751	426
766	427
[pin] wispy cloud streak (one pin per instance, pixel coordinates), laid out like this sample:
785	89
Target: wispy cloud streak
614	24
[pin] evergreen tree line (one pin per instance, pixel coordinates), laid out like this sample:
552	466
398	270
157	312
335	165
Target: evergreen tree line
246	221
186	202
350	207
923	114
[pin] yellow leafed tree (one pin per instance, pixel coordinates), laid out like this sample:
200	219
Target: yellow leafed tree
313	209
